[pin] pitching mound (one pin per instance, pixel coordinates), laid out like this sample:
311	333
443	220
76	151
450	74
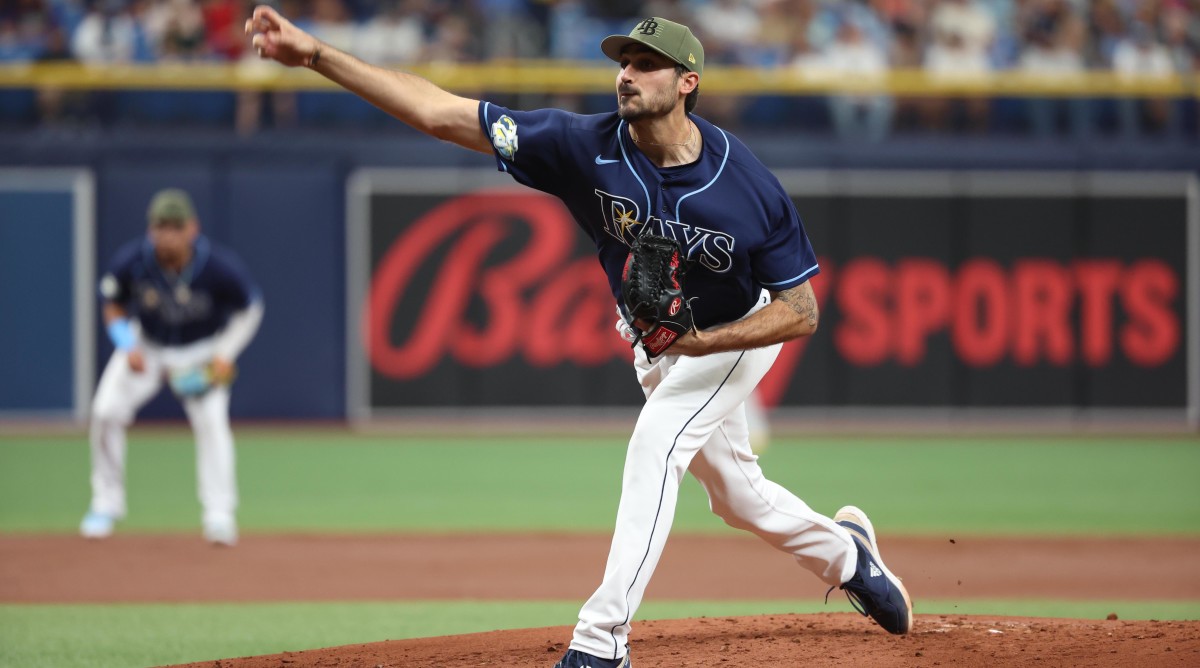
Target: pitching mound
814	641
164	568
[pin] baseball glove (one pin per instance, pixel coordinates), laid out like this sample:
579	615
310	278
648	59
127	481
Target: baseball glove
652	288
197	381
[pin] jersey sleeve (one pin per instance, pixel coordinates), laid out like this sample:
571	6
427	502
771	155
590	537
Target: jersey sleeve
786	258
237	287
527	144
116	285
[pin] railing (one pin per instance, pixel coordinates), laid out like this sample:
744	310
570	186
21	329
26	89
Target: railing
590	77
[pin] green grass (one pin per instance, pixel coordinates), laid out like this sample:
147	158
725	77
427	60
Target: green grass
96	636
337	481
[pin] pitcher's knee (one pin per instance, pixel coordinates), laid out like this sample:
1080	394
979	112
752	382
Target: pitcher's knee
730	516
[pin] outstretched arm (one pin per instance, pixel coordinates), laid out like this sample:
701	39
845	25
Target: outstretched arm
791	314
409	98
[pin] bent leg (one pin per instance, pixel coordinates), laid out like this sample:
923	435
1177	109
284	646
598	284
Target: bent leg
740	494
216	477
119	395
688	399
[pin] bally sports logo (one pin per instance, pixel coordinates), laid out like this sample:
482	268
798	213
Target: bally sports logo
492	279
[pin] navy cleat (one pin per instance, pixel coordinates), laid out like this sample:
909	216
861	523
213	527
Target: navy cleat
576	659
873	590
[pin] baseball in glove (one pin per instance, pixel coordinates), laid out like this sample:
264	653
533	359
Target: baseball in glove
652	288
197	381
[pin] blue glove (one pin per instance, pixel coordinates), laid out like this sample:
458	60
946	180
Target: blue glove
191	382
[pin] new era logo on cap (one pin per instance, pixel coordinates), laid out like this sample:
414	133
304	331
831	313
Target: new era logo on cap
671	39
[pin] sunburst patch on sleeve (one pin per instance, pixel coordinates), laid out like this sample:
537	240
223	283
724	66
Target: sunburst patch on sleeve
109	287
504	137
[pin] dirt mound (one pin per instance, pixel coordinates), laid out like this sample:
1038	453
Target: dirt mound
132	568
182	568
813	641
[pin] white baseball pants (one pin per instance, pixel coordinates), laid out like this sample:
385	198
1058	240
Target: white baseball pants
695	420
119	396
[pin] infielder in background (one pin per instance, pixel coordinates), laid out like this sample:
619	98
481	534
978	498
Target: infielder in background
654	167
181	309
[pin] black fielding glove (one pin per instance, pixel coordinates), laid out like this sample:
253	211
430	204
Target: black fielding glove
652	288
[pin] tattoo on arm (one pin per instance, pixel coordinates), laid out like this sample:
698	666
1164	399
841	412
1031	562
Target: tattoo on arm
801	300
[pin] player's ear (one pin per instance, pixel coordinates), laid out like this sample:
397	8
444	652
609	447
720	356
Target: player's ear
688	82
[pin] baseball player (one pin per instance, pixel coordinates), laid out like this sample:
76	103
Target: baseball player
177	308
653	167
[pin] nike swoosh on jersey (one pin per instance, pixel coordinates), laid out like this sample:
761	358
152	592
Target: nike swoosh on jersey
602	161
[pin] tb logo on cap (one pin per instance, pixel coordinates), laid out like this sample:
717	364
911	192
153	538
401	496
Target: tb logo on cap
647	27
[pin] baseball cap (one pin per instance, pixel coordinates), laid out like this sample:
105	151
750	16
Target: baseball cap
171	204
671	39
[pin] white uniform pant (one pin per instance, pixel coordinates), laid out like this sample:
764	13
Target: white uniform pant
119	396
695	420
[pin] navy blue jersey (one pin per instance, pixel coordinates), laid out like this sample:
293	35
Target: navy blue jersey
738	227
178	309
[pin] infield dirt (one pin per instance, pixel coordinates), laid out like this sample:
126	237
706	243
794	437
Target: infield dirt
160	568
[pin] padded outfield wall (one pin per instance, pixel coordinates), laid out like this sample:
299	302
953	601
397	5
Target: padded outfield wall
957	275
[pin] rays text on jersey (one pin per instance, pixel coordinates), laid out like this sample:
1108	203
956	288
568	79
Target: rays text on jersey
710	248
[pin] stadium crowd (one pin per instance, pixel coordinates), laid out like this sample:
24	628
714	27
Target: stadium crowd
860	38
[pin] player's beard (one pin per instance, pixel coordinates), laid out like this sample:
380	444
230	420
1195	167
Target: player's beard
657	105
172	257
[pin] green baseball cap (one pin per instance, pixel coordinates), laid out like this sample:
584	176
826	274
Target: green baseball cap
171	205
671	39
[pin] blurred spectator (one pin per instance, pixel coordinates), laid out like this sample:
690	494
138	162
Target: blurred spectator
1107	28
57	106
727	28
1054	49
907	55
969	22
223	27
277	108
13	49
679	11
23	28
948	39
176	28
108	34
395	35
513	28
852	56
1139	57
452	41
780	21
961	39
1184	48
331	24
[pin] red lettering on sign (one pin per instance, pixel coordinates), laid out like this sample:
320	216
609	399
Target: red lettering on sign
488	304
1043	291
922	306
571	319
1096	281
863	295
479	220
980	325
1041	311
1151	336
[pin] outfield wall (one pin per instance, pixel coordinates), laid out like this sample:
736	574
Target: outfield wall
1086	245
